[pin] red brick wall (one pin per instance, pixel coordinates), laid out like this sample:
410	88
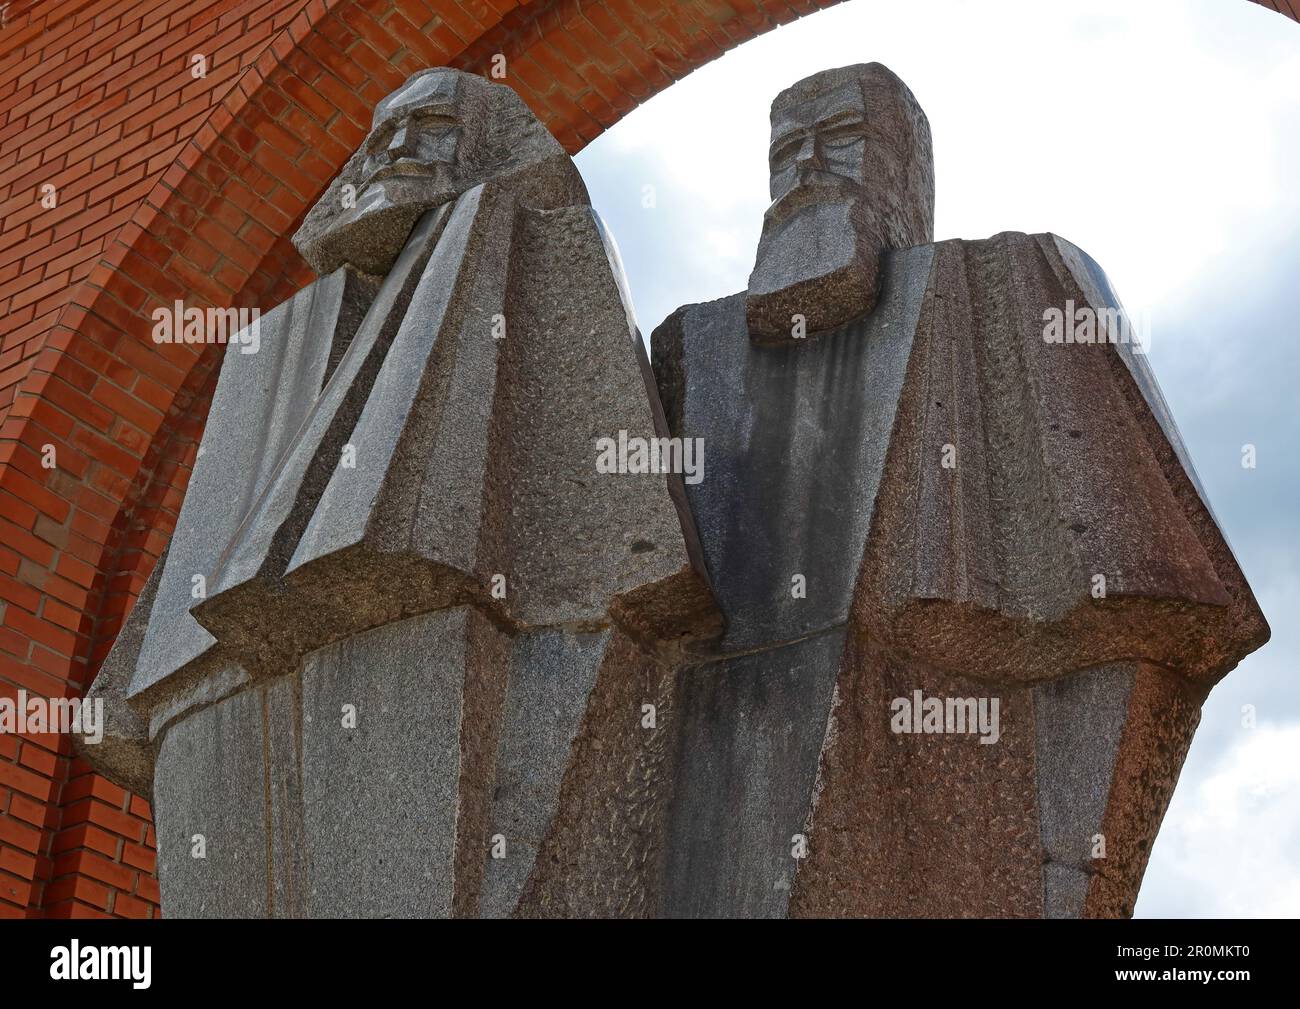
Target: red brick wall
95	99
174	187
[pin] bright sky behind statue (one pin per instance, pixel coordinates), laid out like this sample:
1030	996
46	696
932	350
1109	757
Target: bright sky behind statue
1163	137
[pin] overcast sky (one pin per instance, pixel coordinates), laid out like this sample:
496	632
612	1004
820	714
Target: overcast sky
1163	137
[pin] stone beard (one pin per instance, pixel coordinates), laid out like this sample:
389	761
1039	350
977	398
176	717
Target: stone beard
816	260
851	177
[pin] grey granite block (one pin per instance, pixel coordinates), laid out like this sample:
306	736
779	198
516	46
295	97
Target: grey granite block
210	799
380	800
749	739
260	401
1078	723
552	673
796	438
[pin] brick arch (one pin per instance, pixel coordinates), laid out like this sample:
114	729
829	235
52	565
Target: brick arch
174	187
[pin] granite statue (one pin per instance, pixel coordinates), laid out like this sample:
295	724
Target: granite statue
925	630
951	519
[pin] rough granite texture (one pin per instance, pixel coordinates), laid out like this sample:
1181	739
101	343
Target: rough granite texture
989	565
552	673
920	825
260	402
212	791
972	579
804	431
1163	715
604	853
247	607
671	698
393	775
1078	722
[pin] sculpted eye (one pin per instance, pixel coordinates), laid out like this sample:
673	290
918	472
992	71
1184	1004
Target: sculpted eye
842	136
433	121
380	139
784	152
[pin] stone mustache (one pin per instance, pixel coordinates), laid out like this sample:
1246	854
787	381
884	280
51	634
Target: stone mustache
411	653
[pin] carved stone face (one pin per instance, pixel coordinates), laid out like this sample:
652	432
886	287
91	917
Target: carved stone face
851	176
440	134
415	142
817	144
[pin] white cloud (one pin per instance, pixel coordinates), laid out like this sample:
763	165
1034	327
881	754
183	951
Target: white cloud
1230	843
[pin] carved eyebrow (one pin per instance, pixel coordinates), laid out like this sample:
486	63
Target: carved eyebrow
836	120
433	116
424	116
397	113
786	138
845	117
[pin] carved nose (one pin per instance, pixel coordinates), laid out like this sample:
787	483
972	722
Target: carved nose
400	145
810	155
